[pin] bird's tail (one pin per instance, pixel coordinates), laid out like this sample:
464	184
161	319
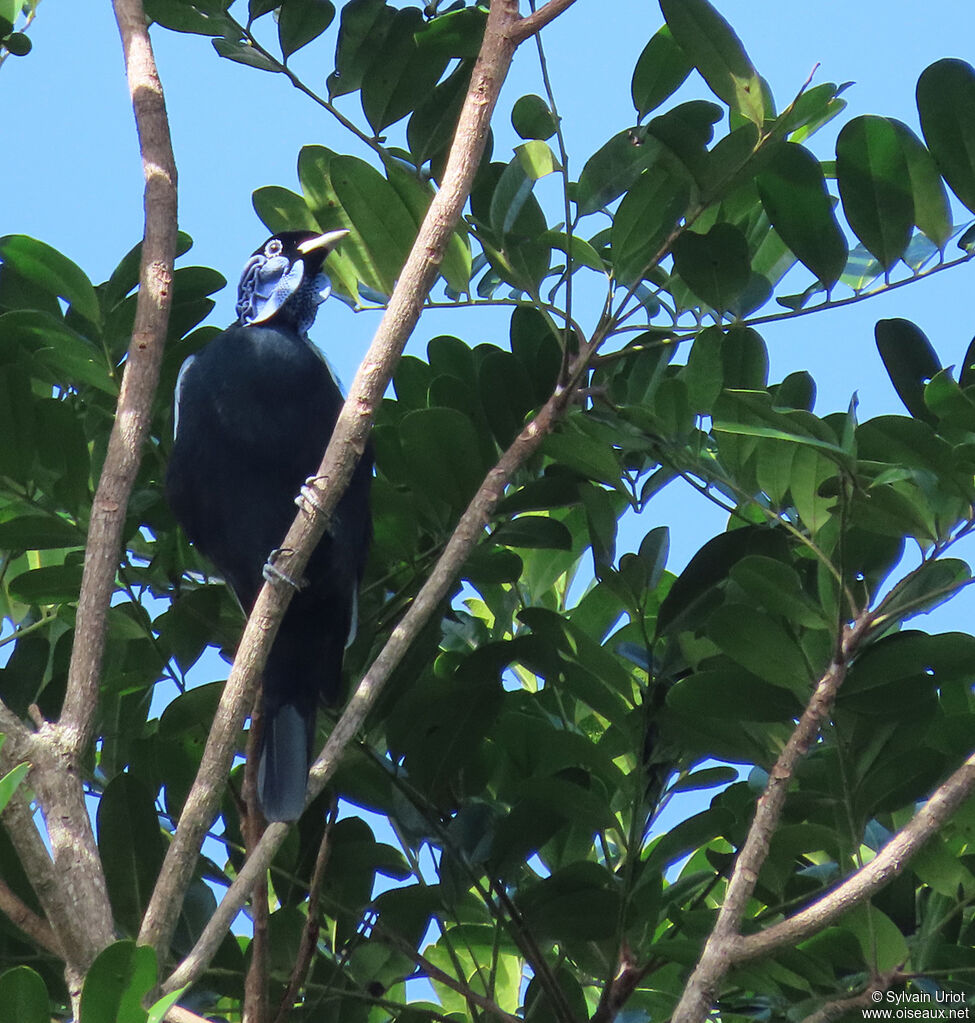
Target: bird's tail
283	772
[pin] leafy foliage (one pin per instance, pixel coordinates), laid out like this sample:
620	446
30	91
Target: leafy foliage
523	754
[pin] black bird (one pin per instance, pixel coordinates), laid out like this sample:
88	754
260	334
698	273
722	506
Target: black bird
254	412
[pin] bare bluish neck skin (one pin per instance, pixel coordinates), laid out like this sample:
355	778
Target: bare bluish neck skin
273	287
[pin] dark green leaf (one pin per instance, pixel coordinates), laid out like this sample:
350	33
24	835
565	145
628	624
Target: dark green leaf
532	531
927	587
932	214
442	452
381	220
911	362
18	44
49	270
401	74
301	21
244	53
9	784
39	533
454	34
611	170
645	220
946	104
715	266
744	359
131	848
431	128
283	210
760	644
532	119
53	584
709	567
714	49
793	192
660	71
732	694
577	903
119	979
875	186
23	997
362	28
512	191
199	18
708	778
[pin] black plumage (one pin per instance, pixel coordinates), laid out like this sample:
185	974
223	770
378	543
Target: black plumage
254	412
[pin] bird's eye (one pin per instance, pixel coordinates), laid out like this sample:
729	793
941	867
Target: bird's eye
273	248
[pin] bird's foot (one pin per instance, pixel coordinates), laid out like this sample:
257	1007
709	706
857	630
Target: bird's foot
308	499
275	575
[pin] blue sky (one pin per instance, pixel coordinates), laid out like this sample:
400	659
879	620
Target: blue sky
70	171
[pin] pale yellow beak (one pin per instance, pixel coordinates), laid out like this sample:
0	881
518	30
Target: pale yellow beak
326	241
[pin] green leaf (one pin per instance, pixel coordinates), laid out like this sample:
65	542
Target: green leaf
946	104
39	533
61	355
925	588
119	979
709	568
881	943
202	19
53	584
761	645
417	196
131	848
932	214
431	128
454	34
532	119
533	531
715	266
793	192
362	28
911	362
55	274
23	996
612	169
660	71
383	224
401	75
714	49
875	186
158	1010
733	694
512	191
576	903
708	778
775	587
283	210
9	784
301	21
442	453
244	53
646	218
537	159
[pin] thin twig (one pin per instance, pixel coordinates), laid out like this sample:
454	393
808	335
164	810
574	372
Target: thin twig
309	935
35	927
537	20
252	825
840	1007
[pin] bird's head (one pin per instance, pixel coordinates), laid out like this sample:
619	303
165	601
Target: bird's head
283	280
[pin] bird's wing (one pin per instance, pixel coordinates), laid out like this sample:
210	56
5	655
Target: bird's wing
180	379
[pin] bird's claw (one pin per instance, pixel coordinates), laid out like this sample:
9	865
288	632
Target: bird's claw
275	575
308	500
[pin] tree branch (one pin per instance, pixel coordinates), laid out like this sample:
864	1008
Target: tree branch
139	382
35	927
870	878
720	950
344	450
535	22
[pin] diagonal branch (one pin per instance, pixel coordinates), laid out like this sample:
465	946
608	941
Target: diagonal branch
870	878
344	450
533	23
719	950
